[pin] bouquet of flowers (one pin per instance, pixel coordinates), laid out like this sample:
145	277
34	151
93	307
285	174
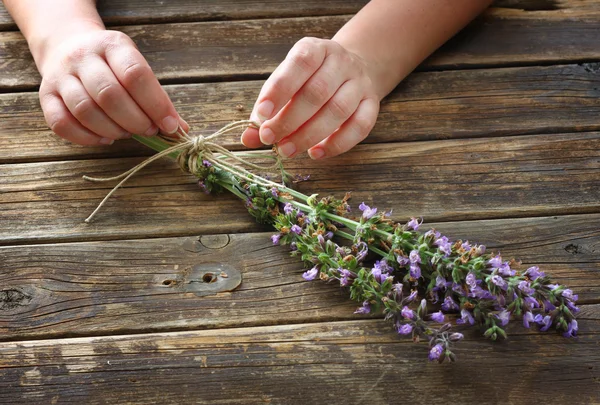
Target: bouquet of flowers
413	270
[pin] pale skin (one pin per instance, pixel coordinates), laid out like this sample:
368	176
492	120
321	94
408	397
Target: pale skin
323	98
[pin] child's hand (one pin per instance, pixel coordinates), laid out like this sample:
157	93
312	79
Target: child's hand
97	88
321	99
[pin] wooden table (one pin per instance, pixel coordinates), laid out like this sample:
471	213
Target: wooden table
495	139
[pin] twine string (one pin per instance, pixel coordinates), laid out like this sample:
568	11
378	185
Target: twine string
193	150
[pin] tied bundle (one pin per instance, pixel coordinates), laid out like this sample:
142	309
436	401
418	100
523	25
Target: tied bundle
413	270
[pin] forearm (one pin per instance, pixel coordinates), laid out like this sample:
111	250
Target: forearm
395	36
45	23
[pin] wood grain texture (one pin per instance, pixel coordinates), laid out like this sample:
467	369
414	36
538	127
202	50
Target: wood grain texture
241	49
440	180
339	363
129	12
427	105
97	288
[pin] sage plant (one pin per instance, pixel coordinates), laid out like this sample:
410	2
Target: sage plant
395	268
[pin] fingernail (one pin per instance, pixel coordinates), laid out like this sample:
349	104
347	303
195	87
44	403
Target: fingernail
267	136
287	149
153	130
126	135
316	153
264	110
170	125
107	141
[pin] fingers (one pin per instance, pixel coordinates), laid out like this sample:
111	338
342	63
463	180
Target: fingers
303	60
87	112
135	75
307	101
331	117
104	88
62	122
353	131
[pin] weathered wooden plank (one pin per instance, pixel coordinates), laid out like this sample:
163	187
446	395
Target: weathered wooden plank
340	363
440	180
127	12
428	105
96	288
230	49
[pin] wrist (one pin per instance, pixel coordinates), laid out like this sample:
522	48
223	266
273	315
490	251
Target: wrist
44	41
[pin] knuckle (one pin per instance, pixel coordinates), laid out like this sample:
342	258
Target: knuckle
316	92
83	108
306	56
59	124
135	73
75	55
108	93
340	108
363	125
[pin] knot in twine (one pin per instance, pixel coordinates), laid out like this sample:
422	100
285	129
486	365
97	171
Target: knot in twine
193	151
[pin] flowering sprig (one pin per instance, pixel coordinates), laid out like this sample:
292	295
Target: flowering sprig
413	267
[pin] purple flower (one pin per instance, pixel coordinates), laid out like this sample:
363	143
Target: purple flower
466	246
275	238
362	249
495	261
471	280
449	304
414	224
456	336
441	283
321	240
504	317
457	288
296	229
380	277
548	306
553	286
206	163
407	313
274	192
415	271
288	208
329	235
527	317
405	329
546	321
444	245
568	294
437	317
478	292
398	289
534	273
293	246
505	270
465	316
310	274
411	297
525	287
402	260
572	329
572	307
347	277
415	257
365	309
531	303
499	281
432	234
367	211
479	250
436	352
